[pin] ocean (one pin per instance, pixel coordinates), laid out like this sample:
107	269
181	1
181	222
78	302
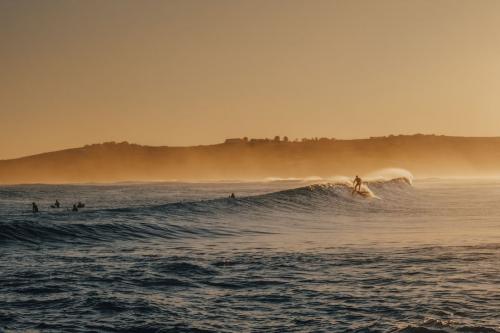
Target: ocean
285	255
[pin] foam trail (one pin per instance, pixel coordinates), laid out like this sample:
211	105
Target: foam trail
389	174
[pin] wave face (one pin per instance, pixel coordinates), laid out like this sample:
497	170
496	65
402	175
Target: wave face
199	218
284	256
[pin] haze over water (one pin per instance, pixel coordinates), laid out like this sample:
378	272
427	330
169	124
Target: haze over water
129	105
283	256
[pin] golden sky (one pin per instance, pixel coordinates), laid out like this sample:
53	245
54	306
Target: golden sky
196	72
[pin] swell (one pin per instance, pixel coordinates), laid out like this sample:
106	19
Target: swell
432	325
206	218
289	200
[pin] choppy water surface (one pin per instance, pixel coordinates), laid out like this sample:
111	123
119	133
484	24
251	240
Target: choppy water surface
284	256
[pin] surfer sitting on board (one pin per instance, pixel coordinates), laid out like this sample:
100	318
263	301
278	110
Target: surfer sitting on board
357	184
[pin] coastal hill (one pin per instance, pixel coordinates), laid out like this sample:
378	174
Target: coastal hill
238	159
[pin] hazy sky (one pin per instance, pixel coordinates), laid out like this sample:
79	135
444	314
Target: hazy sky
196	72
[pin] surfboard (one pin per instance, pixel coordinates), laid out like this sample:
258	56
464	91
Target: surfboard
362	193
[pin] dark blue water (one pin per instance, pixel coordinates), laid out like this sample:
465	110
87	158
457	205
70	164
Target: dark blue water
284	256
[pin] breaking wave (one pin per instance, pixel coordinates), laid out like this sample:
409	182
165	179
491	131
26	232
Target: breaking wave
214	218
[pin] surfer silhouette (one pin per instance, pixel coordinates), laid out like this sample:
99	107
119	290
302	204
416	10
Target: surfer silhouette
35	207
357	184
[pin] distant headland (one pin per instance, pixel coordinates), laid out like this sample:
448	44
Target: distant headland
252	159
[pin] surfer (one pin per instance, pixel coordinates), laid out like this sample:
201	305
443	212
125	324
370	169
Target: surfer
357	184
232	196
56	205
35	207
75	209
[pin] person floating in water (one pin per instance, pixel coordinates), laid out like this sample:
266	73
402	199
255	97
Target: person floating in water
357	184
56	205
232	196
35	207
75	209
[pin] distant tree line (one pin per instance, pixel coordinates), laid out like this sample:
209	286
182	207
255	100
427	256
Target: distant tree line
277	139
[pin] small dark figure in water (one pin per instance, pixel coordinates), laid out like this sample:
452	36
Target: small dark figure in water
357	184
75	209
35	207
56	205
80	205
232	196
